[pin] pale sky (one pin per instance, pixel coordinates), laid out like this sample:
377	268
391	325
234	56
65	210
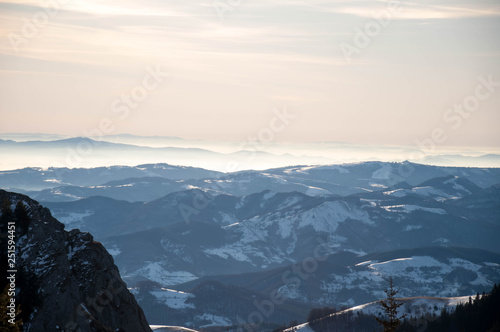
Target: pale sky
231	62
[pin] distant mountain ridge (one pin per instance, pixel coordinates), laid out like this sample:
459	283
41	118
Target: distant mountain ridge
74	152
79	152
138	183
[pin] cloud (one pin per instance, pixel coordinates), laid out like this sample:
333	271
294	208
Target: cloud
419	11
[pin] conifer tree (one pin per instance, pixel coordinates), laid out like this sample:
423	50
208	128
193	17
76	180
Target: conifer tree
390	306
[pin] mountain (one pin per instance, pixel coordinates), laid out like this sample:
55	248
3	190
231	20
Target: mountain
130	189
253	232
193	233
487	198
490	160
38	178
417	234
346	279
64	280
211	304
85	152
148	182
21	137
441	188
315	235
340	280
369	176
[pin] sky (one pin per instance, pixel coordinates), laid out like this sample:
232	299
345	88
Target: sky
360	72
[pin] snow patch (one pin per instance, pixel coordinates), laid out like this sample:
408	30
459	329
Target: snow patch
155	272
72	220
114	252
173	299
411	208
215	320
383	173
412	227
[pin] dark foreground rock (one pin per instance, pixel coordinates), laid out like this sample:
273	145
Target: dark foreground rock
65	281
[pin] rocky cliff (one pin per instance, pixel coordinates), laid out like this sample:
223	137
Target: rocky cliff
65	281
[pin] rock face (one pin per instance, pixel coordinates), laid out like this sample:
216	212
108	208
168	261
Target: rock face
66	281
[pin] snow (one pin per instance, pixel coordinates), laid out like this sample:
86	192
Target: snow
396	193
167	328
133	291
191	187
114	251
457	186
423	272
173	299
291	291
155	272
413	268
412	227
225	219
482	281
377	185
228	251
491	264
327	216
441	240
411	306
72	220
323	218
314	191
457	262
373	202
363	263
52	180
73	250
285	224
421	191
285	229
214	319
430	191
340	169
383	173
300	328
411	208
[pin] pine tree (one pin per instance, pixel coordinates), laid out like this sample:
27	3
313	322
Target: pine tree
391	321
5	207
22	216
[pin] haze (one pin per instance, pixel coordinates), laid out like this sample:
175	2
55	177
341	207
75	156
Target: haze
229	66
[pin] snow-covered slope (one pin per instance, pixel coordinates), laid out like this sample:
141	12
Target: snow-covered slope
412	307
166	328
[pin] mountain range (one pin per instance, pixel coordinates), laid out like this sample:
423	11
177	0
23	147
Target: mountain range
200	248
39	150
